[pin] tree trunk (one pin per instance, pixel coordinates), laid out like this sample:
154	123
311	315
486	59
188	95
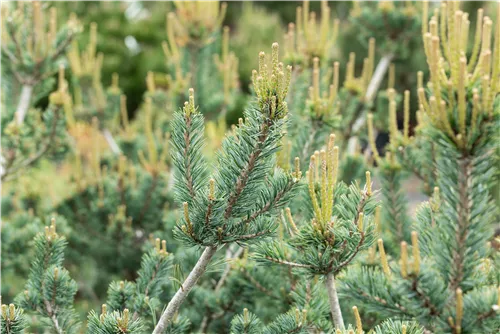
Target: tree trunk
334	302
24	103
181	294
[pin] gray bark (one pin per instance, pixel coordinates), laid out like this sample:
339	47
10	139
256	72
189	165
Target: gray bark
371	90
111	142
24	103
181	294
333	299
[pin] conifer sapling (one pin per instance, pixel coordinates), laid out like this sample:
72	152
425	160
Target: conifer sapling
238	203
340	227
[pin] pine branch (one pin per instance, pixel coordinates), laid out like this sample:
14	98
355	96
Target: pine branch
371	290
113	322
50	290
189	177
272	203
464	209
12	169
187	142
152	276
394	206
246	159
242	179
251	236
293	321
246	323
13	320
288	263
397	326
351	257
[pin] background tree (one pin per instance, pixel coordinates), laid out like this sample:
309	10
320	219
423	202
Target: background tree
458	110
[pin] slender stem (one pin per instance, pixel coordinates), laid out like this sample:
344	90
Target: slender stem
50	309
187	157
24	103
353	254
288	263
111	142
378	76
204	324
181	294
55	322
427	302
333	299
371	90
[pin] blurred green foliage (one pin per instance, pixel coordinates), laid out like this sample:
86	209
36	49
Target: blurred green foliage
130	36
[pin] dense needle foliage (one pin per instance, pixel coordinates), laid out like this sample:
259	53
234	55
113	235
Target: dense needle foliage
152	182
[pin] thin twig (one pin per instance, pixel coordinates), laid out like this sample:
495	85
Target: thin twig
24	103
113	145
270	205
353	254
288	263
427	301
220	283
371	90
187	159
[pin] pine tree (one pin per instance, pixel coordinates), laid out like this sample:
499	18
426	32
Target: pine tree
216	210
133	305
197	49
13	319
50	290
29	61
252	246
458	112
391	174
113	323
297	322
321	102
338	228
